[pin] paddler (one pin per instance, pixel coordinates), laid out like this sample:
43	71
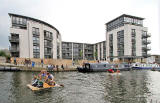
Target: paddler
50	79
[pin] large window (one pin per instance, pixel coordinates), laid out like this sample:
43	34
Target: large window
120	43
36	42
111	45
19	22
133	34
48	38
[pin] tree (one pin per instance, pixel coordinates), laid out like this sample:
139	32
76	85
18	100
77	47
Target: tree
3	54
95	54
80	53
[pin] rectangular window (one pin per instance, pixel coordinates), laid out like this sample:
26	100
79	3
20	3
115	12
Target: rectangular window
120	43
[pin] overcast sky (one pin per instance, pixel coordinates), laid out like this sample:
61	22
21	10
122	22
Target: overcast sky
82	20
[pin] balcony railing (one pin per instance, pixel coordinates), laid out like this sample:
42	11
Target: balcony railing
49	45
146	48
35	41
14	49
146	42
47	53
146	35
48	38
13	39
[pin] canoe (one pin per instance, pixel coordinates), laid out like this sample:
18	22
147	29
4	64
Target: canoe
45	86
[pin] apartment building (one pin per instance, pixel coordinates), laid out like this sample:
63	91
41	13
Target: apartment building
127	39
33	38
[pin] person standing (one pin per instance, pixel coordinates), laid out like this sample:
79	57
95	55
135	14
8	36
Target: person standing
15	62
42	62
62	66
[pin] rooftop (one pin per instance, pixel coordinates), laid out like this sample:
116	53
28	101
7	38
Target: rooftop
125	15
10	14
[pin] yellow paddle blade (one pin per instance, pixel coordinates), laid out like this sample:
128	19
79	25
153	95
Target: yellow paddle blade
45	85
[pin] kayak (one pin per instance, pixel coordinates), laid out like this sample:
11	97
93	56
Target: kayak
45	86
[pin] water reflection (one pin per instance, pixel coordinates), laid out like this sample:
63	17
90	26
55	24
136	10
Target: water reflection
130	87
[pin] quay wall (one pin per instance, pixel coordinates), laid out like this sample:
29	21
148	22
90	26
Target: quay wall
59	62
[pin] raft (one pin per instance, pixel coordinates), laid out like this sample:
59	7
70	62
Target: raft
45	86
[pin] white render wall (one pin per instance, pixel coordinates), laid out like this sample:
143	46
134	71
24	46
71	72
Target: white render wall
26	39
127	40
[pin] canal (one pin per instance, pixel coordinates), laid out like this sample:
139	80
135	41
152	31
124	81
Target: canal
129	87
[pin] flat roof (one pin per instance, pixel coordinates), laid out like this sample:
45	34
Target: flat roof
125	15
10	14
83	43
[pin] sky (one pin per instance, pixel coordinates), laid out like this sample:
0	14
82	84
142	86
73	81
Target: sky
82	20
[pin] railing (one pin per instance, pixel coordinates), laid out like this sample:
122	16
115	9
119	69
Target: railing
48	38
146	48
146	35
11	39
146	41
35	33
13	49
48	45
35	41
47	53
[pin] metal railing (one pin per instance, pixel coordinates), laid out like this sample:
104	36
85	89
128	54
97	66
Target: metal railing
13	39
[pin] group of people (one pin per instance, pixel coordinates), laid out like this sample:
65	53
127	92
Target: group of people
43	77
51	67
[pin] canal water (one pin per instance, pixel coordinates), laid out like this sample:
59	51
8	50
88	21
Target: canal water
129	87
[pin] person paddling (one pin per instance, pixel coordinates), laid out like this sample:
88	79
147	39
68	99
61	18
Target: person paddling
50	79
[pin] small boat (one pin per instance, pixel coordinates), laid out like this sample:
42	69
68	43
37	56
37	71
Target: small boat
139	66
45	86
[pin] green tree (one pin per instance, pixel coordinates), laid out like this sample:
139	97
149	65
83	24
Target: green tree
3	54
95	54
81	53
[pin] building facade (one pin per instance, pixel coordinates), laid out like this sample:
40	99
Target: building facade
77	51
33	38
100	50
127	39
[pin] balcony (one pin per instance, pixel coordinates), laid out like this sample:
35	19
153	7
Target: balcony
14	49
146	35
13	39
36	42
48	45
35	33
144	54
146	48
145	42
48	38
47	53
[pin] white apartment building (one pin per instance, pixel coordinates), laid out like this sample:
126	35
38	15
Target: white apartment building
127	39
33	38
